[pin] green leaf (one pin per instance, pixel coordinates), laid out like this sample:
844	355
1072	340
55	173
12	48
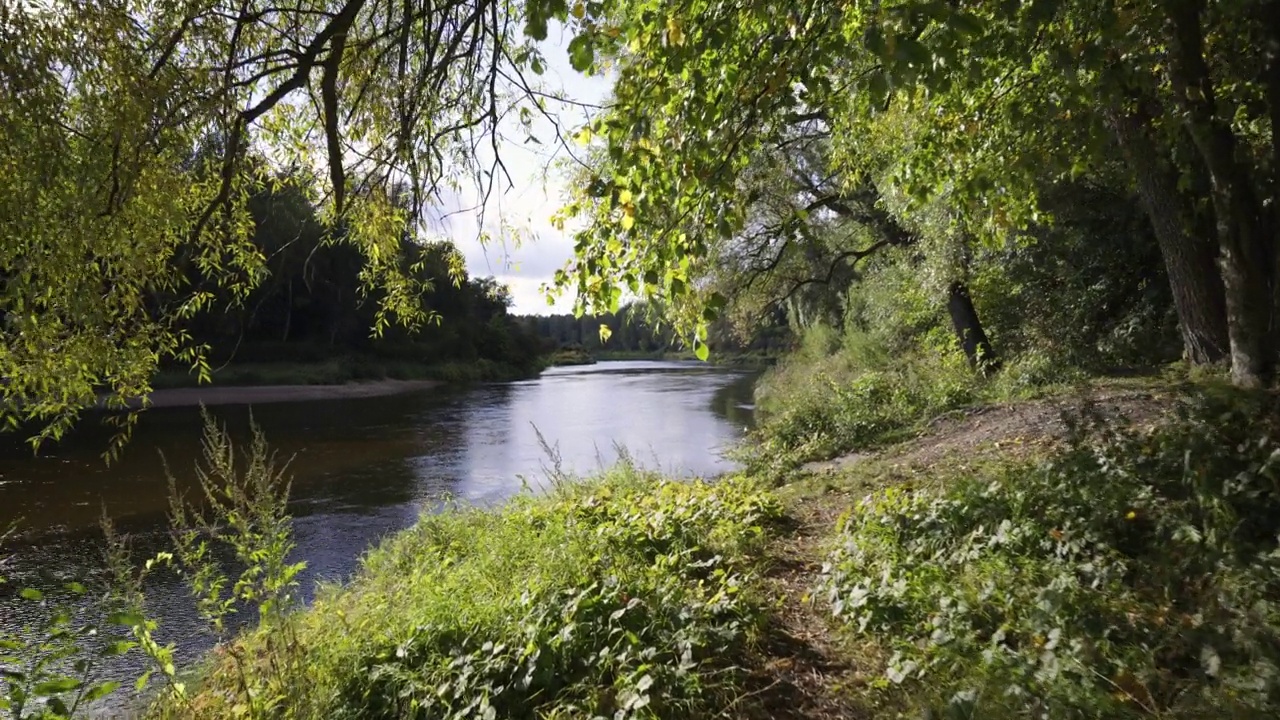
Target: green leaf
966	23
56	685
582	52
118	647
702	351
126	618
912	51
101	690
31	594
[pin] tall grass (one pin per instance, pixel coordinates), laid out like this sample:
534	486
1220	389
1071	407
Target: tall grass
622	596
839	392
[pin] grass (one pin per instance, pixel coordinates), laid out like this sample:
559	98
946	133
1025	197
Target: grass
1119	572
571	356
637	597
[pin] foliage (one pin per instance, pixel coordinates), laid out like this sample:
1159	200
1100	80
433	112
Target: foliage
634	597
1133	574
955	120
241	513
840	392
638	329
1088	291
135	137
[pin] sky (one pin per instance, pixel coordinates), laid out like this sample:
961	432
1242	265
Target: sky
537	191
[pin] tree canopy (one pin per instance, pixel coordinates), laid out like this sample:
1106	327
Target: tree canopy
958	117
751	152
135	135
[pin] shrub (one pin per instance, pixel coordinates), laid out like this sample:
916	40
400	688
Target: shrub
841	393
1133	574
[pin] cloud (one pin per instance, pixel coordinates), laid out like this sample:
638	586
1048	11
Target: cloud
523	249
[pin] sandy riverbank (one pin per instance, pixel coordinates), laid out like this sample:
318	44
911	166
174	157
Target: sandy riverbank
259	394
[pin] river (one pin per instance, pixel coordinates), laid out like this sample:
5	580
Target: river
361	468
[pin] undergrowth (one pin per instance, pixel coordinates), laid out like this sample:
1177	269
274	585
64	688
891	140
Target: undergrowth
623	596
852	391
1133	574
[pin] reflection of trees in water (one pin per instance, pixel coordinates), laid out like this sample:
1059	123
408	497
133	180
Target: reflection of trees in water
729	400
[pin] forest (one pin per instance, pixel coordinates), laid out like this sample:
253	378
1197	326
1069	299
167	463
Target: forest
1019	456
312	307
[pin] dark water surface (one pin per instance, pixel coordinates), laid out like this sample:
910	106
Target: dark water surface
362	468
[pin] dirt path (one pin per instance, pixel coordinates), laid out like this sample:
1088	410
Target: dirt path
259	394
803	674
1004	427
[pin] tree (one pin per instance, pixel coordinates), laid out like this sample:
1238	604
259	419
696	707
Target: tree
132	138
976	105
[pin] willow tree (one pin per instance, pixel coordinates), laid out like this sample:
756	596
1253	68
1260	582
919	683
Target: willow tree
133	133
978	105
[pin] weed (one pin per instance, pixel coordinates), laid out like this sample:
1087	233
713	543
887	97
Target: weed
1132	574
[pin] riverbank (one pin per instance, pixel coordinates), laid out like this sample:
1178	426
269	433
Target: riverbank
856	587
347	370
211	395
581	356
1104	551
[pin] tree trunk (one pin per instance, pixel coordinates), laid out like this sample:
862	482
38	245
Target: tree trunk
1248	248
968	327
1190	259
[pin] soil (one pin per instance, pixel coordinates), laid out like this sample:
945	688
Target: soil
1006	428
259	394
803	672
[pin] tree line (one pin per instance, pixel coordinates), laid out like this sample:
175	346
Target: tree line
312	303
637	328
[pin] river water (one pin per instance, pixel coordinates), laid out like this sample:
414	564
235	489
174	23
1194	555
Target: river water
361	468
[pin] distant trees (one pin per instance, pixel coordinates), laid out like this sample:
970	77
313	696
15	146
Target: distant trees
634	328
313	304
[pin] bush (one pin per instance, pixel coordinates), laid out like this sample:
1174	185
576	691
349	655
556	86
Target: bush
1133	574
841	393
628	596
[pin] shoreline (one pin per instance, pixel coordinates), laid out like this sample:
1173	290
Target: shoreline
260	394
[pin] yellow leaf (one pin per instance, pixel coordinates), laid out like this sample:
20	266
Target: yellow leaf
624	197
579	10
584	136
628	221
675	35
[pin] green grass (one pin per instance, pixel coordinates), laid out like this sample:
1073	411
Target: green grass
571	356
623	596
